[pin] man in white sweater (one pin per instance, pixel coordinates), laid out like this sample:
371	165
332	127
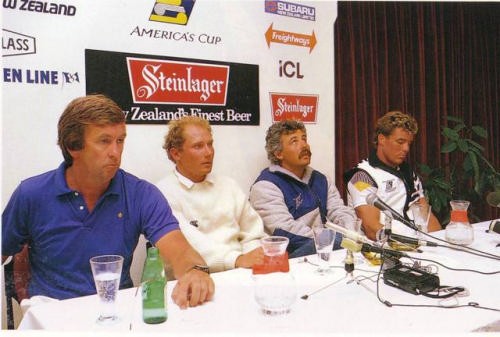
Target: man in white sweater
213	212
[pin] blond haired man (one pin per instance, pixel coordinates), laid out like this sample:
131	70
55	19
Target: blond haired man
213	212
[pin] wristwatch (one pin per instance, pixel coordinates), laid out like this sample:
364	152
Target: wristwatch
200	267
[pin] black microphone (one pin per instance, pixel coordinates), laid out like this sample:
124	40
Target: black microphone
354	246
381	235
383	251
494	227
373	200
412	241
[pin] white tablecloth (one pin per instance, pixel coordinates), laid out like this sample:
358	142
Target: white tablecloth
343	307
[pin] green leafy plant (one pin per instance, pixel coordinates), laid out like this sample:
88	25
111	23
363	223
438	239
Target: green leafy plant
468	176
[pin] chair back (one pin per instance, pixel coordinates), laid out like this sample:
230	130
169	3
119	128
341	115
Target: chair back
17	275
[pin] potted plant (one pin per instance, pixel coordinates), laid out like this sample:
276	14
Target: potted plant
468	176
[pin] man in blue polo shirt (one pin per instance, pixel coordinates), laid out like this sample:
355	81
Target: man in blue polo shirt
89	206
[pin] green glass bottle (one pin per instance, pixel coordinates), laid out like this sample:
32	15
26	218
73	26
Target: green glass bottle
153	288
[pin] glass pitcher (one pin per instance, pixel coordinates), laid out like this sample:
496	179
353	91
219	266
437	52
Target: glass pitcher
275	289
459	231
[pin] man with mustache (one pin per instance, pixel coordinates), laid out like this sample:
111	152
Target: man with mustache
88	206
213	212
386	174
290	196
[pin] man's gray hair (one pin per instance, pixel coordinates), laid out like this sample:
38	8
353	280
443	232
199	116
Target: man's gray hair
273	137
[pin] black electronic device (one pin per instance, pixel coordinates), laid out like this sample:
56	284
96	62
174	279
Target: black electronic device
412	280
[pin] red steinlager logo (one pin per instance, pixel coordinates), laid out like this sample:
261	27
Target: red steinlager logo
170	82
294	106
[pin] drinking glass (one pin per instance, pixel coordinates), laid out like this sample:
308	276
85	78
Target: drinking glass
107	270
323	239
355	226
274	245
421	214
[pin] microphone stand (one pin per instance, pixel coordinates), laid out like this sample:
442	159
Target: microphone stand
387	224
388	236
351	246
349	263
306	296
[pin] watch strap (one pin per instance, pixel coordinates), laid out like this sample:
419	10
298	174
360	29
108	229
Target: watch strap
199	267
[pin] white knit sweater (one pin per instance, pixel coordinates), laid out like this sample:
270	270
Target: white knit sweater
215	216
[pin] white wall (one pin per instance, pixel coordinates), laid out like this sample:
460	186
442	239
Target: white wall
30	111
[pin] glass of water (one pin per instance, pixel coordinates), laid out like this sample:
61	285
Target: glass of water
421	214
107	270
275	292
323	239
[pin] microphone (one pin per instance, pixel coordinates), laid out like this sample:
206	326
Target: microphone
493	199
414	241
383	251
353	246
373	200
354	236
494	227
405	239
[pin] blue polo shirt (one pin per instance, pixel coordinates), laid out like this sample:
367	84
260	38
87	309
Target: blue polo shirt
53	219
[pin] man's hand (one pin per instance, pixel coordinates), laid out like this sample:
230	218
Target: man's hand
247	260
369	216
194	288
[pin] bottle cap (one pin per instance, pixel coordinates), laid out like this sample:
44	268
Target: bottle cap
153	251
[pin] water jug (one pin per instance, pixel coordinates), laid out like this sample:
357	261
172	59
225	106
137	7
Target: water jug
459	231
275	289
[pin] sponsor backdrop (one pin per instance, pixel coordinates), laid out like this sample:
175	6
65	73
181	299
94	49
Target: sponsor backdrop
240	64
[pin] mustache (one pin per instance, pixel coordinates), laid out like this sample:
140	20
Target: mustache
305	152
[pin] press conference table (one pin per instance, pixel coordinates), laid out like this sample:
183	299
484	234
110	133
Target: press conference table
344	306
